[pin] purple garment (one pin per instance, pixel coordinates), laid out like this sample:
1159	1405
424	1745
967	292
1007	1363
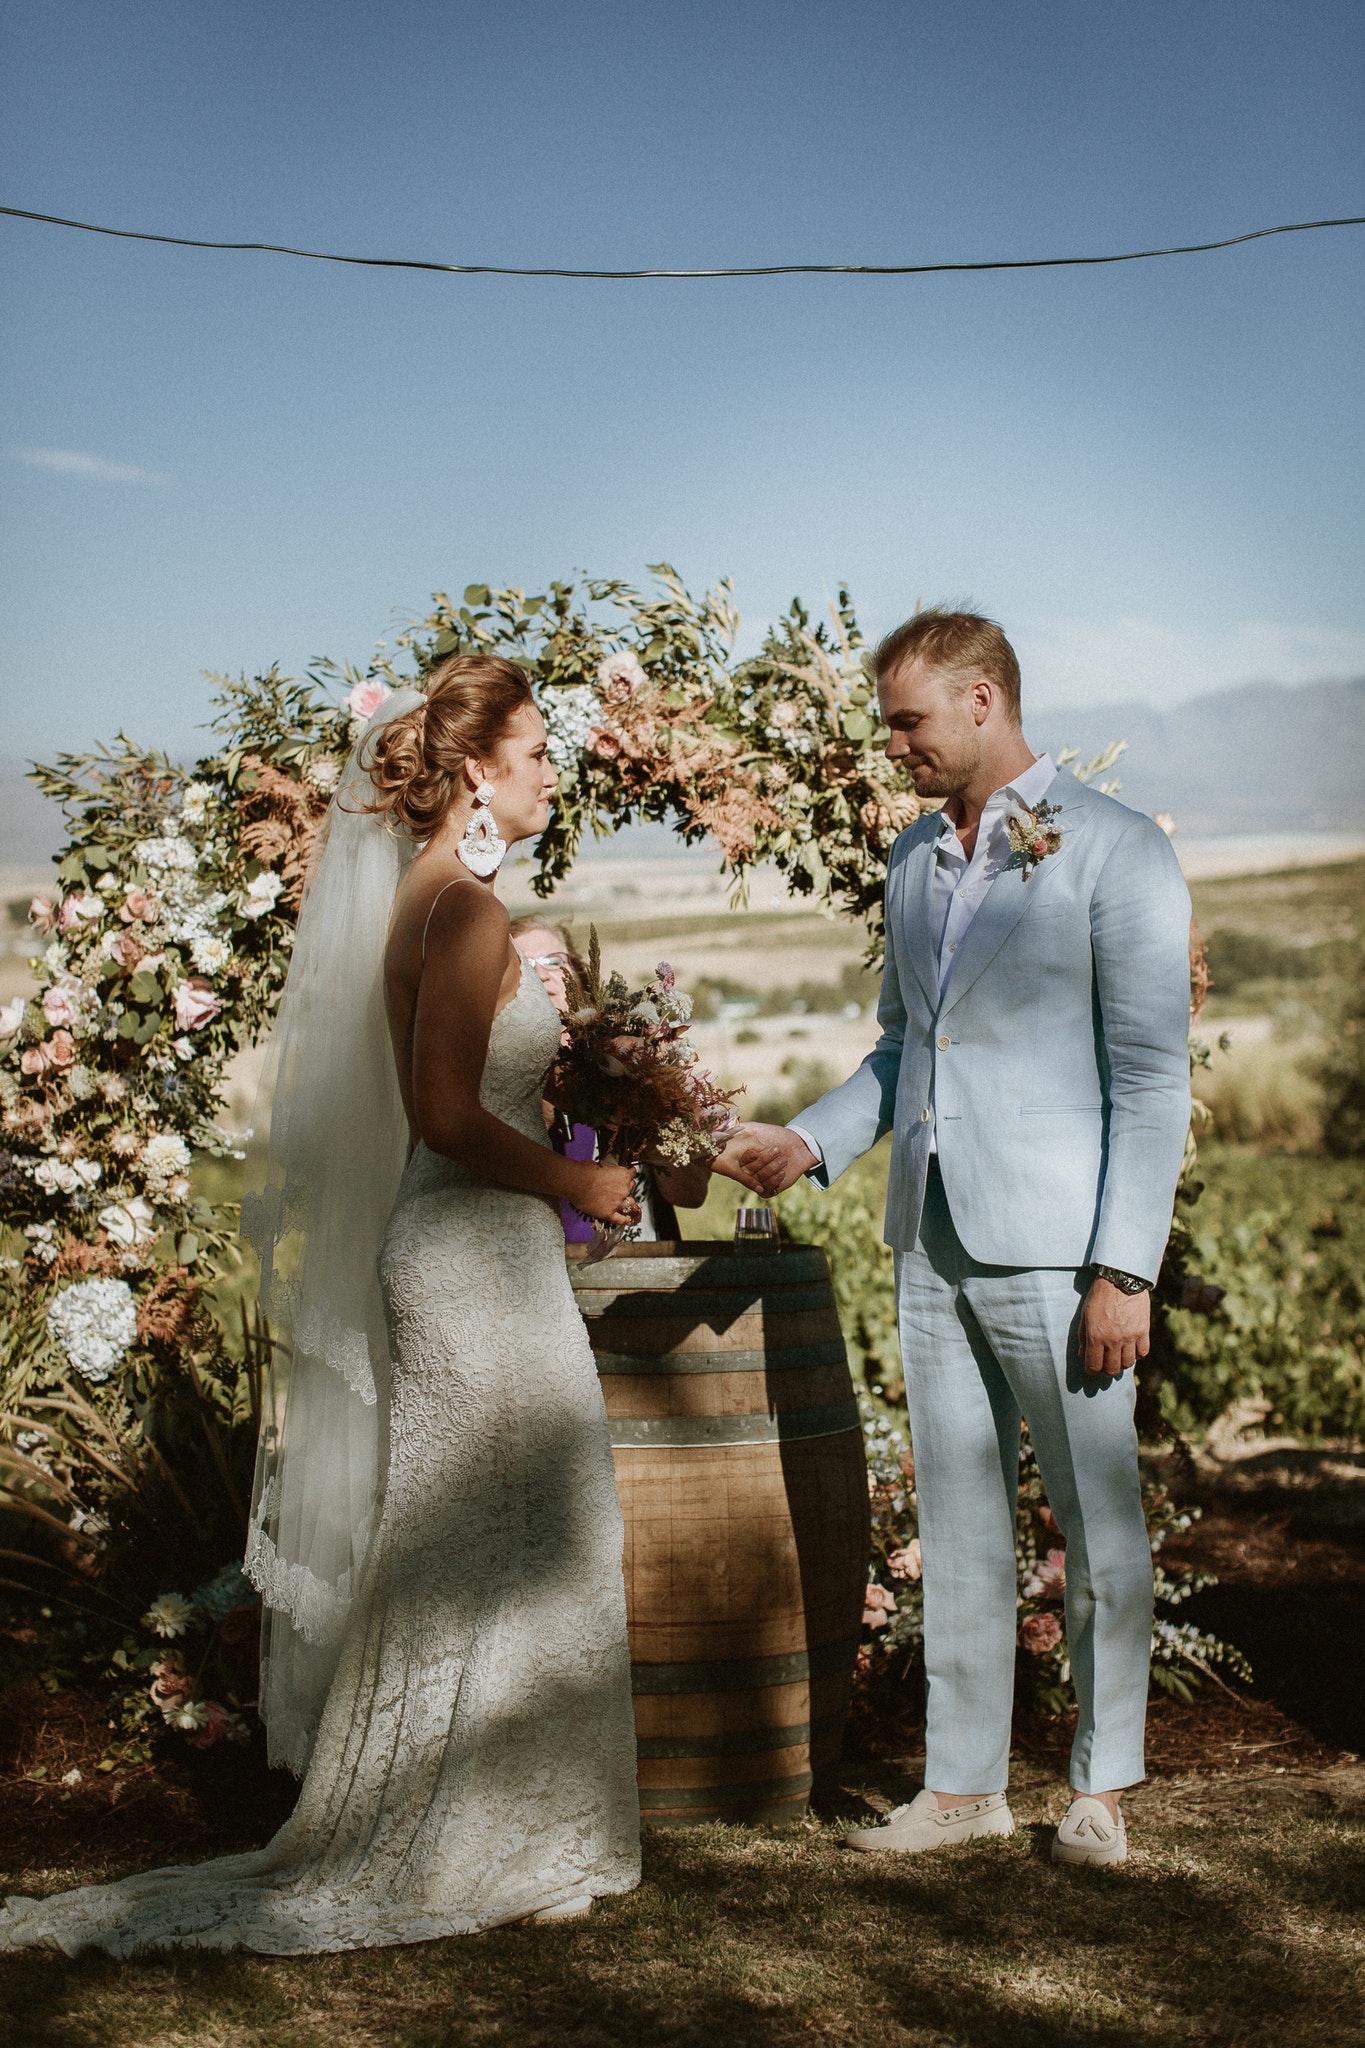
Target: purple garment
582	1145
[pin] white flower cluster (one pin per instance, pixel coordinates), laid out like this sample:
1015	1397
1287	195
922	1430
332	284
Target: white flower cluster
65	1177
94	1321
190	915
194	804
571	716
262	893
164	1159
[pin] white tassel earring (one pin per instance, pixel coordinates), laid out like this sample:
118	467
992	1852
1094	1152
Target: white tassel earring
481	849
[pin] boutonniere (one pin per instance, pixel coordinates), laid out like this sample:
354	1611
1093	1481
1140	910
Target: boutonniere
1034	835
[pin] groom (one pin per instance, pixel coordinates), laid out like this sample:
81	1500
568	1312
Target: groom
1032	1067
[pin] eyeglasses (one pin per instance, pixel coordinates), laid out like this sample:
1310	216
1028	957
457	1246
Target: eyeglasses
539	960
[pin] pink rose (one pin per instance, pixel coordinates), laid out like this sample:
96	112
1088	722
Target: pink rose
61	1049
195	1003
1049	1577
907	1563
604	744
366	698
42	914
86	909
215	1727
138	903
1038	846
58	1007
126	950
58	1051
1040	1633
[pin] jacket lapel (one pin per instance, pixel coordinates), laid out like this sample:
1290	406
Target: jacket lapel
911	908
1009	895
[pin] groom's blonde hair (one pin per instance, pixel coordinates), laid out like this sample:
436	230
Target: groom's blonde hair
962	644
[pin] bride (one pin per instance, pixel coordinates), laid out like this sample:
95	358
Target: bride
435	1530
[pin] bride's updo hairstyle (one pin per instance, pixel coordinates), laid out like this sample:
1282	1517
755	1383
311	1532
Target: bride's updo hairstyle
416	762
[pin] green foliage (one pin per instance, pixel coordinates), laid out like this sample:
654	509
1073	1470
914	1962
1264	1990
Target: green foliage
1285	1238
1341	1070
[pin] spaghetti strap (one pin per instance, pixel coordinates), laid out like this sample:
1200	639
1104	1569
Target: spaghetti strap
434	901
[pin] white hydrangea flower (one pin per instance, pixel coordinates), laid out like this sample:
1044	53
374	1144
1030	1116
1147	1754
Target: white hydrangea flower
94	1321
168	855
163	1158
570	717
169	1615
262	893
210	953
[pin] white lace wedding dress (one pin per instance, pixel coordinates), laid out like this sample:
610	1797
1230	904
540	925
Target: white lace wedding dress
475	1761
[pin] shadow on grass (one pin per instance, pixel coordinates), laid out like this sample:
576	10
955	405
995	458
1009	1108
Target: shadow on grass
760	1941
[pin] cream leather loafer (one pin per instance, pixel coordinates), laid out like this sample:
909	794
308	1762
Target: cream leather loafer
1090	1834
924	1824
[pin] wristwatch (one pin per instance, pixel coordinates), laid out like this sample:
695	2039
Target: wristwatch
1127	1283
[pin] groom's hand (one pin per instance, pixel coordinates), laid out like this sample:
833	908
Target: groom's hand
1116	1328
766	1158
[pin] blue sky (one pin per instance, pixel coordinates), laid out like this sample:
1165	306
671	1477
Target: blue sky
1152	474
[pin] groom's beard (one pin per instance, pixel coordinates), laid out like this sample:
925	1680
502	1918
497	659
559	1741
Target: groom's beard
946	777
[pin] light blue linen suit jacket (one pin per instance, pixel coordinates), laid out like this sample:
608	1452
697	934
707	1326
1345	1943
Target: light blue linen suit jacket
1054	1065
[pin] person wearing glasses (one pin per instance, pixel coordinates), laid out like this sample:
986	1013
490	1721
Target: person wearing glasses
550	950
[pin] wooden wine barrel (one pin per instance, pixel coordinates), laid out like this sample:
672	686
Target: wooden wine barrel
740	1466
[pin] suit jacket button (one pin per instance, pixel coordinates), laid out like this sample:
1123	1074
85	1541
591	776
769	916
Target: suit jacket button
944	1043
924	1116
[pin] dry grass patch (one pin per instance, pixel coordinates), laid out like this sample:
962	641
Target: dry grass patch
1234	1922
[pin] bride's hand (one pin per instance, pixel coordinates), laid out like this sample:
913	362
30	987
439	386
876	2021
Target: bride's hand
609	1194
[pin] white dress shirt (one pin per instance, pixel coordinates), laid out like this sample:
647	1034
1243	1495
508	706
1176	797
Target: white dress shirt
960	886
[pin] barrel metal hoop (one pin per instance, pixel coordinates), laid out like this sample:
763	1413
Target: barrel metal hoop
738	1742
783	1358
705	1307
724	1432
758	1791
746	1674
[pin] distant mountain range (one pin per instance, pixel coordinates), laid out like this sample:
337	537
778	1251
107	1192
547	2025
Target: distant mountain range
1262	757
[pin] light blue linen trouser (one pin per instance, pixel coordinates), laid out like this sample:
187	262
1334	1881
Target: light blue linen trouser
981	1346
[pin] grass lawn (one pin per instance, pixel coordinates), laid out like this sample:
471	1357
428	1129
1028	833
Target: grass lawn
1236	1920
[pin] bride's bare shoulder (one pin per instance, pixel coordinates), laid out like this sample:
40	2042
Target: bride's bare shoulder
435	912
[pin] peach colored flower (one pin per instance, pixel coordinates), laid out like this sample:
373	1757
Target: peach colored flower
907	1563
366	698
878	1606
195	1003
126	950
58	1007
61	1050
138	903
604	744
42	914
1040	1633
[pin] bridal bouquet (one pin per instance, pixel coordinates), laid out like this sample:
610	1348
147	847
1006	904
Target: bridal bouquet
628	1068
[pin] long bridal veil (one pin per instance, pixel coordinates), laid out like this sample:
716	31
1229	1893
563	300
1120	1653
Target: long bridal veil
319	1192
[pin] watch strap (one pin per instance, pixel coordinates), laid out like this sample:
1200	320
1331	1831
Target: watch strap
1128	1283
